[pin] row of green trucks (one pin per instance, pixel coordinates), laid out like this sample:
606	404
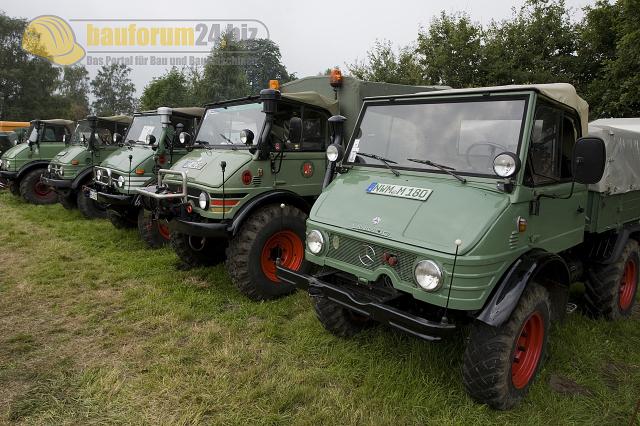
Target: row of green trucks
427	209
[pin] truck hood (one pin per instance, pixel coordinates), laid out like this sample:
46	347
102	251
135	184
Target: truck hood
451	211
119	159
16	151
203	166
72	152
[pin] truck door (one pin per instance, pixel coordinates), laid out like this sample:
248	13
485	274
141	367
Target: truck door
51	141
557	219
303	165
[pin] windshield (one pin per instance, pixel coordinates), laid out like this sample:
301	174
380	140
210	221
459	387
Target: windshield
142	126
465	136
222	126
82	133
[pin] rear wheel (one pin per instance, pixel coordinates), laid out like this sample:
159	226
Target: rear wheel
610	290
196	251
36	192
500	363
154	232
268	234
91	209
122	221
339	320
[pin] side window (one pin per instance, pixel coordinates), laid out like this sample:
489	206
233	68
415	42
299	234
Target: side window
314	130
104	136
552	139
280	130
49	134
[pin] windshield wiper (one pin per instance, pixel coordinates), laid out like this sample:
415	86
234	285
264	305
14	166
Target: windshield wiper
383	160
226	138
445	169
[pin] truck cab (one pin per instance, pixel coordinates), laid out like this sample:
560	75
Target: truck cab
466	206
245	197
23	165
150	143
91	142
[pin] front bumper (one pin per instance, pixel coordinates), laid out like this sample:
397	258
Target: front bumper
8	175
369	304
56	183
200	229
109	197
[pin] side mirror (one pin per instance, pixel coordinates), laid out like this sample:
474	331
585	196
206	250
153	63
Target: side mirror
588	160
246	137
295	130
336	127
117	138
151	139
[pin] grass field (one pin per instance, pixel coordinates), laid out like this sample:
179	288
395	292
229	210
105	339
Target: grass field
94	328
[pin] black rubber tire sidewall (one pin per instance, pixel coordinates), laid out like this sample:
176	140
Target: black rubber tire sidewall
68	201
212	253
338	319
122	221
89	208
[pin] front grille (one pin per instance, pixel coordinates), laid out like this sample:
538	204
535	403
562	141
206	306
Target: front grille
349	251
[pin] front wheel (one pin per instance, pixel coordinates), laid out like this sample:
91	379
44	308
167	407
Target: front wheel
36	192
196	251
500	363
90	208
68	201
270	233
154	232
122	220
339	320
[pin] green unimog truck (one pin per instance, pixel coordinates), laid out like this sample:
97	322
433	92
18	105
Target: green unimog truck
72	168
262	151
482	208
22	165
150	143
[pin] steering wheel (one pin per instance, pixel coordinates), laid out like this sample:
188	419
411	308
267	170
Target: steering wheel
493	149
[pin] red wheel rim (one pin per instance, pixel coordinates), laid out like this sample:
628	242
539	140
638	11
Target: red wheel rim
163	229
526	354
41	189
628	285
286	245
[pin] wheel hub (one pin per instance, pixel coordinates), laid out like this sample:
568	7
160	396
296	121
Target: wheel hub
41	189
527	351
285	245
163	230
628	285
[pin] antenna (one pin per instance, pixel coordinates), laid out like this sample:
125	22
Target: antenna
444	319
223	166
130	158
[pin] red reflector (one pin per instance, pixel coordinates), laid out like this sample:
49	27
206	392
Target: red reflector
162	159
224	203
307	169
246	177
189	208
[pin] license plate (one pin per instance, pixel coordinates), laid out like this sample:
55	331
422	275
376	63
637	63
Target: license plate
400	191
93	194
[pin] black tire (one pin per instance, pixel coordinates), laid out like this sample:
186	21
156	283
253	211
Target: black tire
122	221
491	352
35	192
339	320
609	292
14	188
90	208
197	251
246	249
153	232
68	201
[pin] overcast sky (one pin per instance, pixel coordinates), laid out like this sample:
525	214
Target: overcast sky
312	36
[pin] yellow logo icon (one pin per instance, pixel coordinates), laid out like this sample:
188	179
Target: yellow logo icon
52	38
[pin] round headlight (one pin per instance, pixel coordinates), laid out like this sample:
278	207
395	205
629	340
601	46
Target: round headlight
428	275
334	152
48	167
182	137
203	200
121	181
243	137
315	242
506	164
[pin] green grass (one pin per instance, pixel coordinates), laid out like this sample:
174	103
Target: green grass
94	328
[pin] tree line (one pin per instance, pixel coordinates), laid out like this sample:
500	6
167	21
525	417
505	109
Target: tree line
541	42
